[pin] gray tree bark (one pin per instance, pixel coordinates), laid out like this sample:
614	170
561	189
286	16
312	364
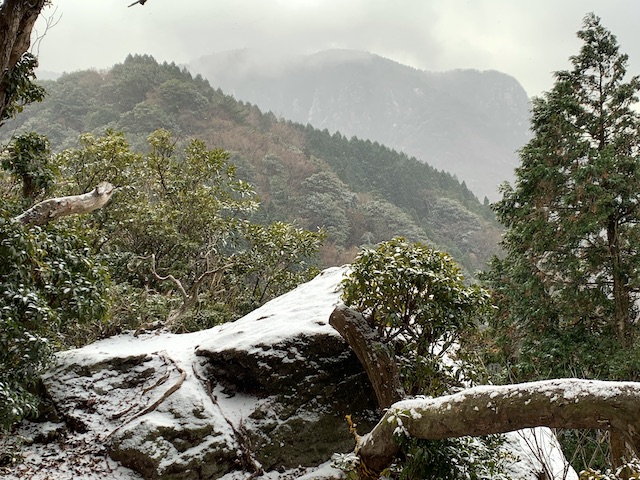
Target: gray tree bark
48	210
485	410
375	357
17	18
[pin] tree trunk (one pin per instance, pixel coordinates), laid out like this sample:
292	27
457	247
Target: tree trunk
621	295
50	209
17	18
375	357
485	410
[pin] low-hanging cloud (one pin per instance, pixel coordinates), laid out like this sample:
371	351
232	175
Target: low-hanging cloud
529	40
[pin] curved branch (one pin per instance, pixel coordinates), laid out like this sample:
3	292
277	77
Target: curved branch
178	283
53	208
195	287
375	357
190	297
486	410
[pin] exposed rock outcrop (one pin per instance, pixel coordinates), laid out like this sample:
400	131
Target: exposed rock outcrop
263	397
266	393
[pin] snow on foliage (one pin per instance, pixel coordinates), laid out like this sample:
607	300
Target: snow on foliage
113	380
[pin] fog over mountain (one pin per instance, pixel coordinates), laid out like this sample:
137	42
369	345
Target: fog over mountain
529	40
467	122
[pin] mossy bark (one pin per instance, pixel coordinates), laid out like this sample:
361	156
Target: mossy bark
17	18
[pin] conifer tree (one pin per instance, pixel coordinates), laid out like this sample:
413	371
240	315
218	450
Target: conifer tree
572	269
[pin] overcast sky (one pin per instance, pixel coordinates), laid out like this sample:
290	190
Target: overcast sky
525	38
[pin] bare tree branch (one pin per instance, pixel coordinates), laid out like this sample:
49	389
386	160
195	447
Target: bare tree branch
53	208
178	283
486	410
50	22
190	297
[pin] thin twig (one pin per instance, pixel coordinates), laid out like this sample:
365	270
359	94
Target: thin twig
174	388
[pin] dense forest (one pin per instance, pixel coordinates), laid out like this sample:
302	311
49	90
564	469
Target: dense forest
359	192
216	208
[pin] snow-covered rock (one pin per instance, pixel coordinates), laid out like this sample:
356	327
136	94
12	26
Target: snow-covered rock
267	393
537	454
263	397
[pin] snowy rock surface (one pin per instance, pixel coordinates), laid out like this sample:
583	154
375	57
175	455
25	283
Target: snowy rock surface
263	397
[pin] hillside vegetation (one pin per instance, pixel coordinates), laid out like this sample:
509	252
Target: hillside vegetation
468	122
359	191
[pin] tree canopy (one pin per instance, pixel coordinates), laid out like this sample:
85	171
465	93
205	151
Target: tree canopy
571	270
359	192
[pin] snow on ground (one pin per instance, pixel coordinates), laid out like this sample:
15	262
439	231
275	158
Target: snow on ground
314	301
77	456
321	472
537	450
303	311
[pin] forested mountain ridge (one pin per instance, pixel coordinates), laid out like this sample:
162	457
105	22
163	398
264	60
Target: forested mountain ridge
467	122
360	192
180	248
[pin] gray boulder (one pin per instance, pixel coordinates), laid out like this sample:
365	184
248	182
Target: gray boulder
263	398
267	393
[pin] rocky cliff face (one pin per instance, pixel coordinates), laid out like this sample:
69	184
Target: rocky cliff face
466	122
263	397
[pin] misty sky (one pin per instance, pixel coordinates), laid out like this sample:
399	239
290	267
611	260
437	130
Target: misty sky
524	38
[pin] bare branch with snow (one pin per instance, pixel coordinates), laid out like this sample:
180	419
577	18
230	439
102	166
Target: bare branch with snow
486	410
53	208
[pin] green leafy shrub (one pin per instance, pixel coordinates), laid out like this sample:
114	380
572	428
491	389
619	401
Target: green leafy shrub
465	458
277	258
49	285
416	299
28	158
21	89
177	236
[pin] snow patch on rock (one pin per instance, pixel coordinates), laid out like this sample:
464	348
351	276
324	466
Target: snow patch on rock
257	397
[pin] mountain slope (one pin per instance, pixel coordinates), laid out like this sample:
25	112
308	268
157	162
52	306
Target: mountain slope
360	192
467	122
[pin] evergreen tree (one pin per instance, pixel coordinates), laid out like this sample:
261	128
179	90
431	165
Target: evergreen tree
572	270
